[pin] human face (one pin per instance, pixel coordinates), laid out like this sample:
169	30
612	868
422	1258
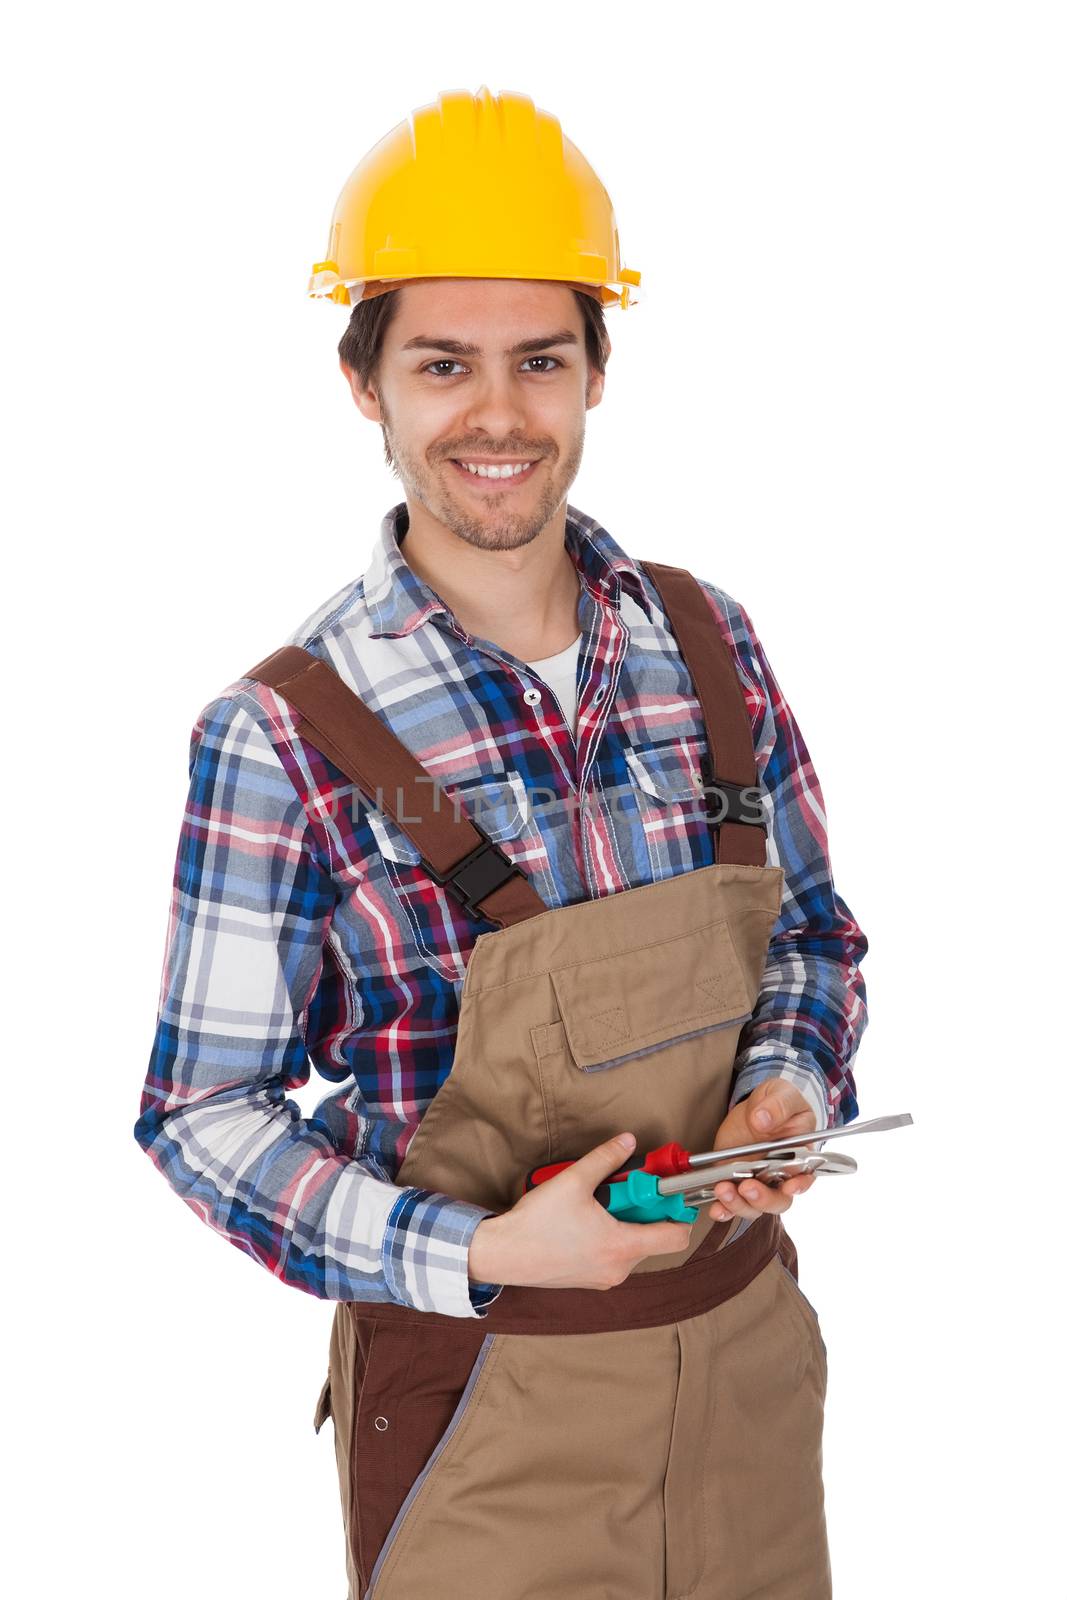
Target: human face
453	387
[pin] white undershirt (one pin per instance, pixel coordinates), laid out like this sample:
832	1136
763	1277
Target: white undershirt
560	672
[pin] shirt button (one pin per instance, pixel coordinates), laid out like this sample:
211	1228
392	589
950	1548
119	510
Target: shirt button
532	696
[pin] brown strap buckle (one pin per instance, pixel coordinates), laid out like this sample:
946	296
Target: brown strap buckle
476	874
730	802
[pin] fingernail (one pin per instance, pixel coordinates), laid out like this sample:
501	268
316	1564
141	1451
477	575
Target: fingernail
627	1141
762	1119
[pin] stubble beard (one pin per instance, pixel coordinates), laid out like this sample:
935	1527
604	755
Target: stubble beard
500	526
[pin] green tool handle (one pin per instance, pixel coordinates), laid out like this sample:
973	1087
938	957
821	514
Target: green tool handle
636	1198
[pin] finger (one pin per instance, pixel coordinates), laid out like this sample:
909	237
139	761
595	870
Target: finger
736	1194
787	1115
761	1197
751	1200
722	1208
793	1127
798	1185
732	1202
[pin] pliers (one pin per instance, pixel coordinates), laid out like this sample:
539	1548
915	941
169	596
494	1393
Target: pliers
669	1182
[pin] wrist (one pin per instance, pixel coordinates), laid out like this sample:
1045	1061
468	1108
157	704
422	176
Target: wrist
483	1262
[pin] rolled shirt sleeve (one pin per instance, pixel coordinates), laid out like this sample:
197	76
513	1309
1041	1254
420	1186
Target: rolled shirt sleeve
251	907
811	1011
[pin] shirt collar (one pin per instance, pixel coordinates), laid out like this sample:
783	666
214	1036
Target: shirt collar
398	601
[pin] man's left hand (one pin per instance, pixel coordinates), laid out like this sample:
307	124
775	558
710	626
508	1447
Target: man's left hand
790	1114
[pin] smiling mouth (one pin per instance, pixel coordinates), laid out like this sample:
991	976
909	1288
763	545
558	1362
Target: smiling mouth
481	480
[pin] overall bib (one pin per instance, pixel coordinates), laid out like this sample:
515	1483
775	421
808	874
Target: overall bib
658	1440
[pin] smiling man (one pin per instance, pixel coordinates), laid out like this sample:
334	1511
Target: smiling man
484	425
517	841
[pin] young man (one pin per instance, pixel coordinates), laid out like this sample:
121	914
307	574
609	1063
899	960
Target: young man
605	954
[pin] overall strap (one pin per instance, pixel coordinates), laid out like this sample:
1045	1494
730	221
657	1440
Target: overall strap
456	852
730	767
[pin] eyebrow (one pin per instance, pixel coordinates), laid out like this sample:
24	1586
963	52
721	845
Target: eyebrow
456	347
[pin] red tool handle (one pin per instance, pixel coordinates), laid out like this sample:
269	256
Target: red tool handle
664	1162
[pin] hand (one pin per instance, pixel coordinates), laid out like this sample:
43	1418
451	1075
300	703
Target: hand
558	1237
790	1114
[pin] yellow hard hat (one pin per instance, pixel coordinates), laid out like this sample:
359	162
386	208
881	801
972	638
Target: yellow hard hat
474	186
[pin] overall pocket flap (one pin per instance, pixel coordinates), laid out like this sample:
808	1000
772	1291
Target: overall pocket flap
323	1406
635	1000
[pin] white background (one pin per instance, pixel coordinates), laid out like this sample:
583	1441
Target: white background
841	398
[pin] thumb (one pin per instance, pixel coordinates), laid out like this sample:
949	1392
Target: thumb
764	1117
779	1113
764	1114
596	1164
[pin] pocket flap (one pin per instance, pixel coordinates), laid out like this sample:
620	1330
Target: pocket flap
391	839
632	1001
323	1407
497	804
667	771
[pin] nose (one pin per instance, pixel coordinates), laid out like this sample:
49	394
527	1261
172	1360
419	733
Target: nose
496	406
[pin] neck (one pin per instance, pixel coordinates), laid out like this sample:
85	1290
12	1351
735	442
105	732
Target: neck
525	600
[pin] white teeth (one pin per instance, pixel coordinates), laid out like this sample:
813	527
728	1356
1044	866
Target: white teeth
497	472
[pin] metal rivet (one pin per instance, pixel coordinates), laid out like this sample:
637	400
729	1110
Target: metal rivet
381	1423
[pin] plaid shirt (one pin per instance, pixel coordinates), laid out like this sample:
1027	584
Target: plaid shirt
303	931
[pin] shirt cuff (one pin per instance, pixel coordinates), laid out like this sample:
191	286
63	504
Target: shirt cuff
783	1062
424	1254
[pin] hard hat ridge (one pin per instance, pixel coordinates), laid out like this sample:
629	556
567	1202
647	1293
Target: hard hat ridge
473	186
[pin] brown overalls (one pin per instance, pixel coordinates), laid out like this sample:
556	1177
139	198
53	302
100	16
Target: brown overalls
658	1440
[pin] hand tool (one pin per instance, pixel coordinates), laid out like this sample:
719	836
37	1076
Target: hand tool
669	1182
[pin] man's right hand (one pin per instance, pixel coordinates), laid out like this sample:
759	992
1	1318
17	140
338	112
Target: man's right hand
558	1237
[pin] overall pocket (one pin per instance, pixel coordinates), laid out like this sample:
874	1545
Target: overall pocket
645	1038
322	1405
617	1008
806	1312
428	1402
547	1480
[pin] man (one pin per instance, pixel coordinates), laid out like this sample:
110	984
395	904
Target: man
507	642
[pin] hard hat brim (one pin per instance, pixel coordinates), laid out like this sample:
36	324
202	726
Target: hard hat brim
325	284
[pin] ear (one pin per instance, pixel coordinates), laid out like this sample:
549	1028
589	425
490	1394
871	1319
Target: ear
594	389
366	398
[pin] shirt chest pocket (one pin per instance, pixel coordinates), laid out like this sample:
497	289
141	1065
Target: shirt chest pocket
442	932
667	772
670	793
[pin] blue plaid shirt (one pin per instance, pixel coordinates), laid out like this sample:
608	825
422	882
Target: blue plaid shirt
303	932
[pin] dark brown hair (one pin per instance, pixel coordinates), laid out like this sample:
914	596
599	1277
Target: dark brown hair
361	344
